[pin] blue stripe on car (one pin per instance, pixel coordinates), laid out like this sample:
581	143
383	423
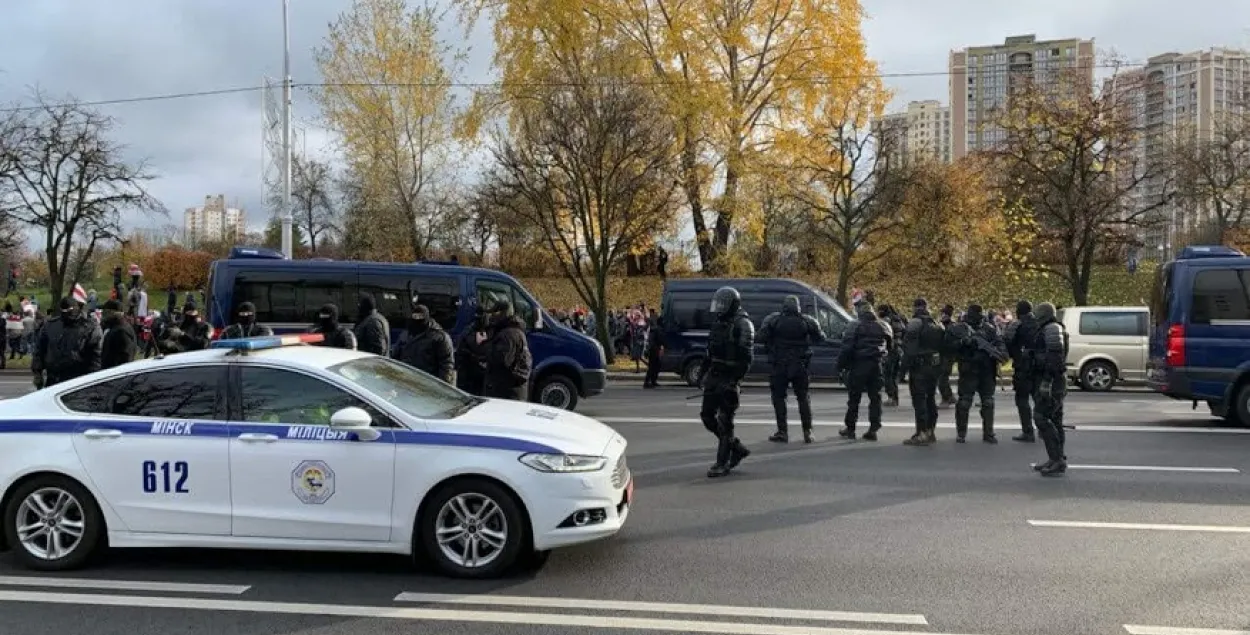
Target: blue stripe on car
314	434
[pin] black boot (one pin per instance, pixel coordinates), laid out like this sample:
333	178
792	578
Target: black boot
871	434
1054	468
1025	437
737	452
724	451
1041	466
847	432
780	437
807	435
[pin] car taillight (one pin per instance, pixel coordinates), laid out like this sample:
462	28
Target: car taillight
213	333
1176	346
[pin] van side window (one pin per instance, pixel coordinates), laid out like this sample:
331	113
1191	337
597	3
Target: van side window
830	322
688	314
281	298
393	294
1131	323
489	292
1220	294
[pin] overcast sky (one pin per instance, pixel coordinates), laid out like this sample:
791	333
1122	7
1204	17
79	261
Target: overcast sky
208	145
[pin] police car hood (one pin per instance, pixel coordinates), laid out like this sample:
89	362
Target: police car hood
566	431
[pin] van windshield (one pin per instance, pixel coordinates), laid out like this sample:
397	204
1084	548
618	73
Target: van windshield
833	305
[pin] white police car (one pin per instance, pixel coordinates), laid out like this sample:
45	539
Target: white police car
263	443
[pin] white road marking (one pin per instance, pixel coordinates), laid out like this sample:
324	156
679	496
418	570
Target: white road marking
1080	427
1075	524
1154	468
1167	630
437	615
122	585
662	607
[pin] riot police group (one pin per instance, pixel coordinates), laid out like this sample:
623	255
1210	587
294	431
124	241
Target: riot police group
492	359
877	348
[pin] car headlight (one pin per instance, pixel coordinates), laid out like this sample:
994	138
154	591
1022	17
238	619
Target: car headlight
564	462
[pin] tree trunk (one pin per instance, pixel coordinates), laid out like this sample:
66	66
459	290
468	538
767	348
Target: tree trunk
694	195
844	276
600	308
728	208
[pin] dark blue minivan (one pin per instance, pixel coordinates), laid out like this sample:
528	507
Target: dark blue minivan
288	293
1200	339
685	313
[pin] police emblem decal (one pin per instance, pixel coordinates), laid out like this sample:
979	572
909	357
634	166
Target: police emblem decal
312	482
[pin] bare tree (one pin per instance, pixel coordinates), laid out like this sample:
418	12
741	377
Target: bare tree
71	181
312	198
849	179
1213	173
1071	155
591	166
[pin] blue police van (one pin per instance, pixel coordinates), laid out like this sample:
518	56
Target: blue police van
1200	338
685	314
288	293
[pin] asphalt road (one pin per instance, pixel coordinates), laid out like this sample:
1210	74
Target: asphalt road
1148	534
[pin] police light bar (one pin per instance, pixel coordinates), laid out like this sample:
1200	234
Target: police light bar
262	343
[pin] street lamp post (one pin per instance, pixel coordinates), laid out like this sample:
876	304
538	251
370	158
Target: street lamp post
287	219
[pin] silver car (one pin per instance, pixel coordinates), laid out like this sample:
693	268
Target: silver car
1106	344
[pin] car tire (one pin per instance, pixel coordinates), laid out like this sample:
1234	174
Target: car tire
452	556
1097	376
556	391
73	507
690	372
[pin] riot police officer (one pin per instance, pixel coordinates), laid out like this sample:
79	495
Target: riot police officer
67	347
978	350
1019	338
948	362
1050	354
470	356
507	357
865	346
730	350
893	356
922	347
245	324
788	337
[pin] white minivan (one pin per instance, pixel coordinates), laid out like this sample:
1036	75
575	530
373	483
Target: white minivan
1106	344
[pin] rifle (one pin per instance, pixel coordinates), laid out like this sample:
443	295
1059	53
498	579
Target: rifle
986	347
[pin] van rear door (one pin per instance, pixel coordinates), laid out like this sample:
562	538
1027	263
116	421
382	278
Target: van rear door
1217	332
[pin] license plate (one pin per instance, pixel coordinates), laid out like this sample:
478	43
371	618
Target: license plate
629	492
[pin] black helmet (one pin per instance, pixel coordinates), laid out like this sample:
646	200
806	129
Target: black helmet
726	301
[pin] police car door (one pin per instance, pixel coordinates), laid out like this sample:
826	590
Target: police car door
159	451
292	475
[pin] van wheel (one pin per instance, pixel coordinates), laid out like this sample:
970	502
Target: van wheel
1242	408
690	372
53	524
1097	376
556	391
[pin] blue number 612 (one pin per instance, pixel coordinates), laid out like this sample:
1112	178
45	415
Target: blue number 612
173	477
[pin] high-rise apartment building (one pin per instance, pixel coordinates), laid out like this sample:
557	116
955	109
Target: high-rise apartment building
1178	98
923	130
213	221
982	79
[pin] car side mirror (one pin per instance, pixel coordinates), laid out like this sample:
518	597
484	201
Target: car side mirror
355	420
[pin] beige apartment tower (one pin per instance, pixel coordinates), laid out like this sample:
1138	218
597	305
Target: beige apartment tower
981	78
923	130
213	221
1178	97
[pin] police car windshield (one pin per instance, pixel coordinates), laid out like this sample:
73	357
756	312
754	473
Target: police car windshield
406	388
